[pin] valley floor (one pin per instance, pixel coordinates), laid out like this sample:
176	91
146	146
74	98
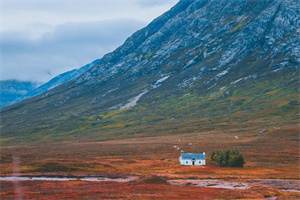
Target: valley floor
272	163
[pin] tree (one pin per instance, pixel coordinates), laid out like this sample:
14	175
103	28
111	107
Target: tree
228	158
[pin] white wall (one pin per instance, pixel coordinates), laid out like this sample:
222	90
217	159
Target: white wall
190	162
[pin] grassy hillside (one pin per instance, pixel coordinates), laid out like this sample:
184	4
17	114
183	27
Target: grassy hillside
249	105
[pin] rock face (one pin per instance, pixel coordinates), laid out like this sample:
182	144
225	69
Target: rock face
198	65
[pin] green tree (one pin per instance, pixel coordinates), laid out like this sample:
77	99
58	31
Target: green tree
228	158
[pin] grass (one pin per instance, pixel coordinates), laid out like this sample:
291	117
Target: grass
155	160
190	111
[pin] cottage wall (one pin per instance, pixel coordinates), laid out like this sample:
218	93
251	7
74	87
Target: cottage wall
190	162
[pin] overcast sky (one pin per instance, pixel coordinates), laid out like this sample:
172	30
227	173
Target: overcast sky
43	38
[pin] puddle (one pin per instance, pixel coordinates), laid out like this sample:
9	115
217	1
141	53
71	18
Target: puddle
281	184
210	184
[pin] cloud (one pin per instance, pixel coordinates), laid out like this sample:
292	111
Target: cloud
156	2
68	46
21	14
41	39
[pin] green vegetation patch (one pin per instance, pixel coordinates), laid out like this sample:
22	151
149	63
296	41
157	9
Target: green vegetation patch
228	158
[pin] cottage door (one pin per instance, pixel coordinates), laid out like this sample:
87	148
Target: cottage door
193	162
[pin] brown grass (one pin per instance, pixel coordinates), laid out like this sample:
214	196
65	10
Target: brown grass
274	154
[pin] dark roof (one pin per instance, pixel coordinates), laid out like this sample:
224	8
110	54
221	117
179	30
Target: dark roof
191	156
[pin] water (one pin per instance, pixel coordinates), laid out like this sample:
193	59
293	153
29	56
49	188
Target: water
61	178
281	184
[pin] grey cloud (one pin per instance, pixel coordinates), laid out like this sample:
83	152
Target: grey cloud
68	46
58	4
42	38
155	2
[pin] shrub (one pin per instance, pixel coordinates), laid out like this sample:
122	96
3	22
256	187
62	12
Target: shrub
228	158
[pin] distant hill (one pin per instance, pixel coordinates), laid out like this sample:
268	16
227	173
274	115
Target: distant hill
13	90
203	65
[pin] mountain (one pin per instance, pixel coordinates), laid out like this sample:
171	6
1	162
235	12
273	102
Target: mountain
231	65
12	90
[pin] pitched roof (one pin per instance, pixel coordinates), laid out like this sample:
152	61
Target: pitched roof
191	156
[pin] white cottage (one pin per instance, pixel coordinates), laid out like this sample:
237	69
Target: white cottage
192	159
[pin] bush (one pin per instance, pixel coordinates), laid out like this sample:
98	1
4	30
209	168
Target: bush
228	158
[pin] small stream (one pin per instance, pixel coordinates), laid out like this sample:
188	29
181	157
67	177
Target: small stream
69	178
281	184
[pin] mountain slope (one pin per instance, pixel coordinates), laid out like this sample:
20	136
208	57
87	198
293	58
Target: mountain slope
60	79
13	90
205	64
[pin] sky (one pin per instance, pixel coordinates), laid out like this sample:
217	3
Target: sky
40	39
